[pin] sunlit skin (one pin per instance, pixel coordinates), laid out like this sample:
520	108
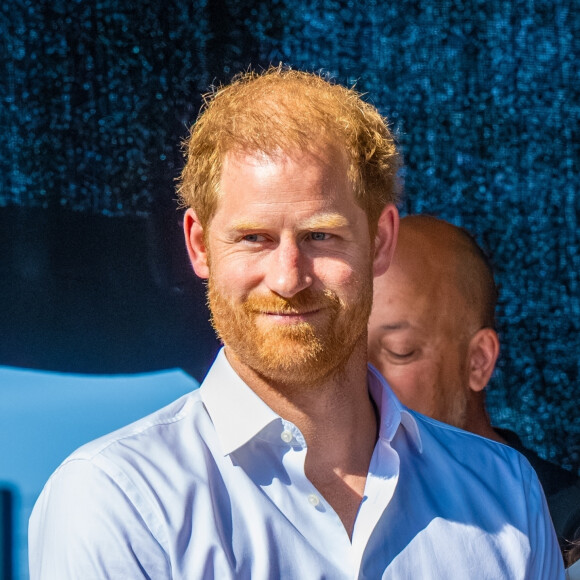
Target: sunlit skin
291	228
424	335
288	230
417	341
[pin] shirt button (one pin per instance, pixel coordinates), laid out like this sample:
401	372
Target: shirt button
286	436
313	500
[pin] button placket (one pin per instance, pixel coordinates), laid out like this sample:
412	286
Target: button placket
313	499
288	436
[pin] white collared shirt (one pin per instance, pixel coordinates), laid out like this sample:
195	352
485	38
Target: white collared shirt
573	571
213	486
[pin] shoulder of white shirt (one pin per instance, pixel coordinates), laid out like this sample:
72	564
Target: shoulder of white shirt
573	571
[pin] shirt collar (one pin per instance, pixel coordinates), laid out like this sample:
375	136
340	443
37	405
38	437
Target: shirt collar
573	572
238	414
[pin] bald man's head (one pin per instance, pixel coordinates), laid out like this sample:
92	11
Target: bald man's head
431	330
436	248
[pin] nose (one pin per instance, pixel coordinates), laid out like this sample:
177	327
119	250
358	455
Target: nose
288	270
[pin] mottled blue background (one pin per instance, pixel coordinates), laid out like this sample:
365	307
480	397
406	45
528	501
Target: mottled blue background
484	96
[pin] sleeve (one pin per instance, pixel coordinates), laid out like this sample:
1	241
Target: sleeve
84	526
546	562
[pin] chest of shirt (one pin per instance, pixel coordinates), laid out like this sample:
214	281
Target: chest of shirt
255	515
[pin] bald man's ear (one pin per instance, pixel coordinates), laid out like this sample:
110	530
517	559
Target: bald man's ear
482	356
194	240
386	239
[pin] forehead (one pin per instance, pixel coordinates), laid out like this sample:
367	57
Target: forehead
319	153
284	179
422	300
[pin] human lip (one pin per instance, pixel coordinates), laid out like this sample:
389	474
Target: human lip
290	317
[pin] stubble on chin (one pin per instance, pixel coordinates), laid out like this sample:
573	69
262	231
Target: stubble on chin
297	355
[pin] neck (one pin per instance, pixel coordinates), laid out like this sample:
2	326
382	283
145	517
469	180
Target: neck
480	424
315	406
337	408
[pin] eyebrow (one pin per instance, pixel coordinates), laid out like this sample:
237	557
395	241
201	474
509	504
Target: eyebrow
321	221
324	221
243	225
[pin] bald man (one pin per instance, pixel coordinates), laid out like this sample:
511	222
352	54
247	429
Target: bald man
432	335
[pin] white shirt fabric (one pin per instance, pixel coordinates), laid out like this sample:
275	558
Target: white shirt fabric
213	486
573	572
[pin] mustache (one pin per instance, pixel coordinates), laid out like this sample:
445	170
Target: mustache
307	300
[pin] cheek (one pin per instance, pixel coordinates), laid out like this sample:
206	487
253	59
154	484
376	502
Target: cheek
339	274
405	379
233	275
413	384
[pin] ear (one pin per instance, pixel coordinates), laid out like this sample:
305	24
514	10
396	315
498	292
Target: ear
386	239
482	356
194	240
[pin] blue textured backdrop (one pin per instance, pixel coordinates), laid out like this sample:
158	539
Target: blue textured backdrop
484	96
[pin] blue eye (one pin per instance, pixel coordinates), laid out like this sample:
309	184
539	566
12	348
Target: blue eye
319	236
253	238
